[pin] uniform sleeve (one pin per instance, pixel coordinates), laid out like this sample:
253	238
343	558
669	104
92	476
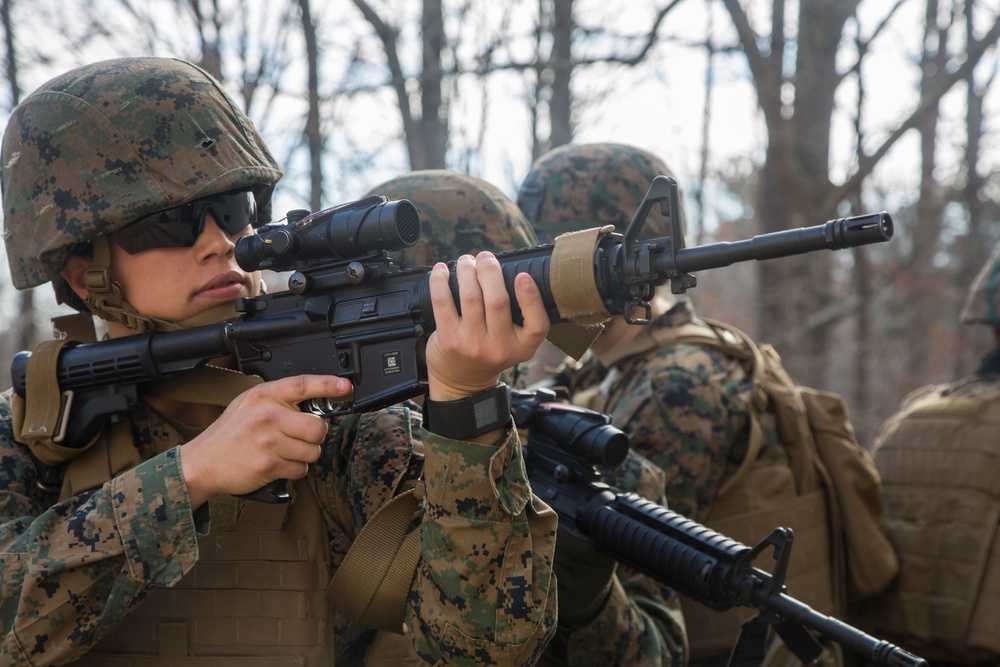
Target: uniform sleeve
687	411
484	592
637	627
72	570
484	587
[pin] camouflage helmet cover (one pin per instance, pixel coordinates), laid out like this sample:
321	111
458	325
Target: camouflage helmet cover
110	142
459	214
982	305
579	186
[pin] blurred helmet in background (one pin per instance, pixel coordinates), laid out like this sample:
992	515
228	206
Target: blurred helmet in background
459	214
579	186
982	305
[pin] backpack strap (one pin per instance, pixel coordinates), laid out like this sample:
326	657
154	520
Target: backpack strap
725	338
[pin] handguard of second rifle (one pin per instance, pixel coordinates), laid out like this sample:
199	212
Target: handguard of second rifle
689	557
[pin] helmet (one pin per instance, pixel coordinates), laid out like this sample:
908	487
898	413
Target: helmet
111	142
459	214
982	305
580	186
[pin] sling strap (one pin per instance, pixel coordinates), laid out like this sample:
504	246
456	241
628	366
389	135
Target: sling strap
574	290
372	583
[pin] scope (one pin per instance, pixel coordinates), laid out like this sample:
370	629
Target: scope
582	433
348	231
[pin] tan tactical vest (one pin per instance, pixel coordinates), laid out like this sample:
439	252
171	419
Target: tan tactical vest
754	501
255	598
259	593
940	466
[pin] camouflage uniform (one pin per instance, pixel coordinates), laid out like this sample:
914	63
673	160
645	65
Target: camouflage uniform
148	134
640	623
939	460
685	407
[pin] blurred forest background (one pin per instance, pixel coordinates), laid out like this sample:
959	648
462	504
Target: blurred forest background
772	115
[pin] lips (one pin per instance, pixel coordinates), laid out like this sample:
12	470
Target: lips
225	286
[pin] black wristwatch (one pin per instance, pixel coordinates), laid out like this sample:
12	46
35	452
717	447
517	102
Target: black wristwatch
471	416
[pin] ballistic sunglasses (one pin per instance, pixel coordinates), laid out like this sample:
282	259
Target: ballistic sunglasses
180	226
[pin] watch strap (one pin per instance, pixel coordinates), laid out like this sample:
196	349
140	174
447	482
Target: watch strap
471	416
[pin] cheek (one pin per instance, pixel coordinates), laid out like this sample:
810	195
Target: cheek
147	275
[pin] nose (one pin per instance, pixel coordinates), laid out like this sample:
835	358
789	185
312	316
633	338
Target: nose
213	239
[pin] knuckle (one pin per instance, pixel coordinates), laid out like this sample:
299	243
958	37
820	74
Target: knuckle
499	301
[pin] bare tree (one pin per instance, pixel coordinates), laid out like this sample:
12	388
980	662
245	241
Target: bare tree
797	104
978	241
555	69
426	96
314	139
425	134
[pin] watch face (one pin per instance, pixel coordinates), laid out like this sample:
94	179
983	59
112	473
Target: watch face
486	411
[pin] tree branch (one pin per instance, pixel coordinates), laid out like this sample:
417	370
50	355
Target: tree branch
867	162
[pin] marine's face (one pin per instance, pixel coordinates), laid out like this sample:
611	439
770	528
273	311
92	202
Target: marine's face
178	283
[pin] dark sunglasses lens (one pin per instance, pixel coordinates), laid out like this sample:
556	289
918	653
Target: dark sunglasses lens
179	227
232	212
162	230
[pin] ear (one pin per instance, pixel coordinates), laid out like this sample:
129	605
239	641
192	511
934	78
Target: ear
75	274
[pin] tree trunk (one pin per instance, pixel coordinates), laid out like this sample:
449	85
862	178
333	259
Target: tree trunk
561	103
433	112
313	135
974	342
794	292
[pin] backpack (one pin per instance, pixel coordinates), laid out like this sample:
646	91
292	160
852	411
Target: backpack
815	429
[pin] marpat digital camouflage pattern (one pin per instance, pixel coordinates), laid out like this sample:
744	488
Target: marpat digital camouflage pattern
641	624
72	570
109	143
85	155
579	186
685	407
459	214
982	305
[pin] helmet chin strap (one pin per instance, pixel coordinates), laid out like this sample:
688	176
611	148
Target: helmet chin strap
105	299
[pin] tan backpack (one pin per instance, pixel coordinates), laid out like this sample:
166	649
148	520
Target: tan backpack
814	427
842	554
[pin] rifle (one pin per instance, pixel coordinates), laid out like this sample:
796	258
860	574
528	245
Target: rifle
569	450
350	311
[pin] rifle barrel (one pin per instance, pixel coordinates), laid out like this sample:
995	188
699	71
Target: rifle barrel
832	235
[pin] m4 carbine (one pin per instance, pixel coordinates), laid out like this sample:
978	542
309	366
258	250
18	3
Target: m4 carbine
350	311
569	451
